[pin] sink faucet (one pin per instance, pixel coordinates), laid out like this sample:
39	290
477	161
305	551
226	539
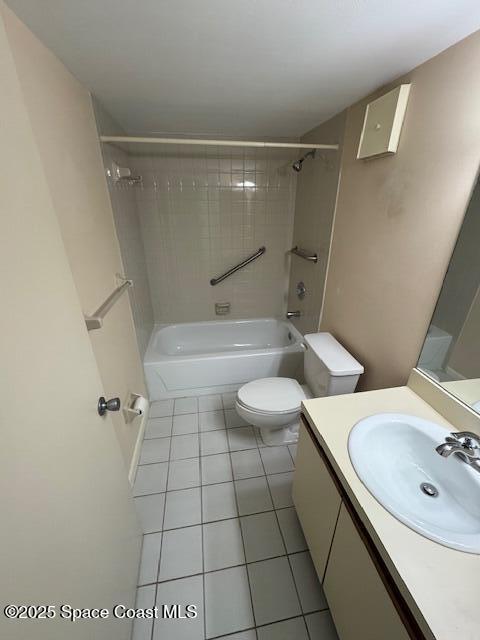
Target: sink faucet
465	445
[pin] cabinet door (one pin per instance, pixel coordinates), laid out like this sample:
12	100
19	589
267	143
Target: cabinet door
360	605
316	499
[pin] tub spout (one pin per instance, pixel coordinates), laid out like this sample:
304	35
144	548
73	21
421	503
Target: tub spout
294	314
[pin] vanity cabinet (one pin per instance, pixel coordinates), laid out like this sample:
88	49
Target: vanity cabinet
360	604
316	500
364	601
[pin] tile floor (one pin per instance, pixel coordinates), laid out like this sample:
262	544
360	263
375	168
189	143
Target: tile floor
221	531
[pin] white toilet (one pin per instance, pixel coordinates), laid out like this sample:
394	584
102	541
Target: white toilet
273	404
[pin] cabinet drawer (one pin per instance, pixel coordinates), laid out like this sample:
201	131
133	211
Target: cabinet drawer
316	499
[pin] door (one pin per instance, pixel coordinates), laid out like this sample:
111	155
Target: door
68	532
316	500
360	605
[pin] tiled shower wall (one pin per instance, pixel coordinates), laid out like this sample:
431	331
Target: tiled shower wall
202	213
127	225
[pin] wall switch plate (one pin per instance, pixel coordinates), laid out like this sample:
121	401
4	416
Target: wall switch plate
222	308
383	123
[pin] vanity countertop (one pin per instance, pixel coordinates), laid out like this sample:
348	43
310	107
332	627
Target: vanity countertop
440	585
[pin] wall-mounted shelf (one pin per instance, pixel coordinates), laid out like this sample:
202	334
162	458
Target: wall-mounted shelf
313	257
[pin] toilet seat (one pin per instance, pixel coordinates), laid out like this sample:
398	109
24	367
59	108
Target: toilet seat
274	396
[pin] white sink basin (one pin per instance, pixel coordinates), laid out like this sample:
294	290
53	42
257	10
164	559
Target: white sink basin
394	454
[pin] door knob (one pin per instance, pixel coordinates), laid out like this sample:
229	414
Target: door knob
107	405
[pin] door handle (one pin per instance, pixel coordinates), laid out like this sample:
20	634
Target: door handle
107	405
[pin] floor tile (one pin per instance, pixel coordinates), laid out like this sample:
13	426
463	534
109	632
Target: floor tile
293	450
243	635
320	626
233	420
281	488
185	423
216	468
222	544
151	478
181	553
184	474
309	589
294	629
276	459
161	408
242	438
184	447
156	450
291	530
227	602
261	536
228	399
182	508
185	405
150	558
253	496
142	629
212	420
150	512
247	464
159	428
210	403
218	502
213	442
273	591
183	591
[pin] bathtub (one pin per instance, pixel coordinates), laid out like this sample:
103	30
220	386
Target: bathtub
216	357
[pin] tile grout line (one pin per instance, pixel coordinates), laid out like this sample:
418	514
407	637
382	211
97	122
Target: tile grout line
201	528
242	564
283	539
241	533
210	484
187	526
162	532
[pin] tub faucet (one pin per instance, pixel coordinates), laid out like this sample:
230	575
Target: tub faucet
465	445
294	314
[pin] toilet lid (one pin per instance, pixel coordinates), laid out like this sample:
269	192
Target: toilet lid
272	395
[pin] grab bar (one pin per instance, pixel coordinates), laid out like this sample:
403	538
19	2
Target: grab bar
95	321
228	273
303	254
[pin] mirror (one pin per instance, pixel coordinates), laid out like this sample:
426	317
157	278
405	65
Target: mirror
451	351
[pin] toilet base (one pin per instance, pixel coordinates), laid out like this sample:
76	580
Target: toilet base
279	436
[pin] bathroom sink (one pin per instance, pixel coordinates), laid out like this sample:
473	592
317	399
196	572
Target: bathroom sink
394	456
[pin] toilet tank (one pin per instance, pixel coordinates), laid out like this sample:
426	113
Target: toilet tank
329	369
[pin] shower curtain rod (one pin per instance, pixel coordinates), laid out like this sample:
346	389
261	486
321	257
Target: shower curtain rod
218	143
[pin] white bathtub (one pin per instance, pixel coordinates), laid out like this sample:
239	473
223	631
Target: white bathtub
216	357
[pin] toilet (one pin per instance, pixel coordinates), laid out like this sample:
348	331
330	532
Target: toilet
273	404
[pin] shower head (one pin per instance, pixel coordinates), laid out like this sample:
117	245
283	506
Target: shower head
297	165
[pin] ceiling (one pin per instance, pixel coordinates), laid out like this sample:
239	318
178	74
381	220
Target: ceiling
245	68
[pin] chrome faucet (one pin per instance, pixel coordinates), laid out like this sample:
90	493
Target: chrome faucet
465	445
294	314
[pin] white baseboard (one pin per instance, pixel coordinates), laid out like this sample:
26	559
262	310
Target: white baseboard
138	446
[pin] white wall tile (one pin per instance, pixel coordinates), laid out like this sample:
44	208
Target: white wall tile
197	221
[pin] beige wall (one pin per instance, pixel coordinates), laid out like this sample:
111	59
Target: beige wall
315	200
398	217
63	124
